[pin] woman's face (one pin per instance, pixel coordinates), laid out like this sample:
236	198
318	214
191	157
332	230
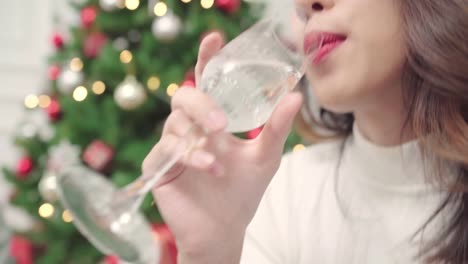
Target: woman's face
366	63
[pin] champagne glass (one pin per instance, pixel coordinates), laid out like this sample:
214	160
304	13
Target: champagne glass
248	77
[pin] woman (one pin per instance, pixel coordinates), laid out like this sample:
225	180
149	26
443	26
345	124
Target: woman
388	188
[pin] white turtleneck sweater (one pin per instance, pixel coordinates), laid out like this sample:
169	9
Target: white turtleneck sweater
366	212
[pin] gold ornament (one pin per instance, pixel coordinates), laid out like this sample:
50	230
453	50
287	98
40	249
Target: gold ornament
111	5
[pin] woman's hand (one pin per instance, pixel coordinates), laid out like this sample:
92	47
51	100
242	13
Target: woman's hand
211	195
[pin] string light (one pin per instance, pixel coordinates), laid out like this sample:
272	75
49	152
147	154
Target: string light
186	1
298	147
98	87
44	101
46	210
126	56
80	93
67	217
31	101
132	4
76	64
172	88
207	3
160	9
154	83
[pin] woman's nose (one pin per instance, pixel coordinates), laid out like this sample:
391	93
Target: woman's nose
320	5
306	9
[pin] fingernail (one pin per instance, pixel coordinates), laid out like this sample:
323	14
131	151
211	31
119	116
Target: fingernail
216	120
202	158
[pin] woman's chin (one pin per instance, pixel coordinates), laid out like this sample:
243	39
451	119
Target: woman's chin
335	94
335	102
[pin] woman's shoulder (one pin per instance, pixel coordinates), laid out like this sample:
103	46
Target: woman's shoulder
311	166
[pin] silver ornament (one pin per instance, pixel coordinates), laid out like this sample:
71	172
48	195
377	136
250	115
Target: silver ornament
167	28
48	187
120	43
134	36
130	94
63	155
69	80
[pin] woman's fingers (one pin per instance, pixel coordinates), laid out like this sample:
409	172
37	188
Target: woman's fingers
178	123
200	108
276	130
209	46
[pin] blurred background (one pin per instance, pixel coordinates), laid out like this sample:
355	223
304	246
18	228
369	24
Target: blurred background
89	83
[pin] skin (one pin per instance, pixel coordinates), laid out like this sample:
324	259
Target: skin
209	197
362	75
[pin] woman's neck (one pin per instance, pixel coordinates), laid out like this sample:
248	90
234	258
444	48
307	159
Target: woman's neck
383	121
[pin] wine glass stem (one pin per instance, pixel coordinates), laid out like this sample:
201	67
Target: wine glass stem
132	195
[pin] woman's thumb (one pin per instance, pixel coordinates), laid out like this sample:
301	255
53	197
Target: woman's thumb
276	130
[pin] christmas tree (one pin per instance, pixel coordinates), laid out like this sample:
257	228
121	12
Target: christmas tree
109	89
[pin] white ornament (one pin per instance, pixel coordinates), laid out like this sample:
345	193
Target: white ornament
35	124
48	187
167	28
63	155
130	94
110	5
69	80
28	130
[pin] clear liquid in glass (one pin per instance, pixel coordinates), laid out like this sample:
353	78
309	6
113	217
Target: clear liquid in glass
248	91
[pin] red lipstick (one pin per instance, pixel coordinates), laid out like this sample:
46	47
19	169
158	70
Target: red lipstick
322	44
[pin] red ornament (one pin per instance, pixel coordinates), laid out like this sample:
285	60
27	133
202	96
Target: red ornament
53	72
24	167
93	44
228	6
254	133
57	40
111	260
189	79
190	75
54	110
167	241
21	250
188	83
98	155
88	16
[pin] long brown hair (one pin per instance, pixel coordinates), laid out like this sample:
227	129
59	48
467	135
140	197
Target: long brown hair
435	88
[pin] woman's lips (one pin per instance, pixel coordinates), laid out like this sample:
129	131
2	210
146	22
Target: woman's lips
325	50
320	44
